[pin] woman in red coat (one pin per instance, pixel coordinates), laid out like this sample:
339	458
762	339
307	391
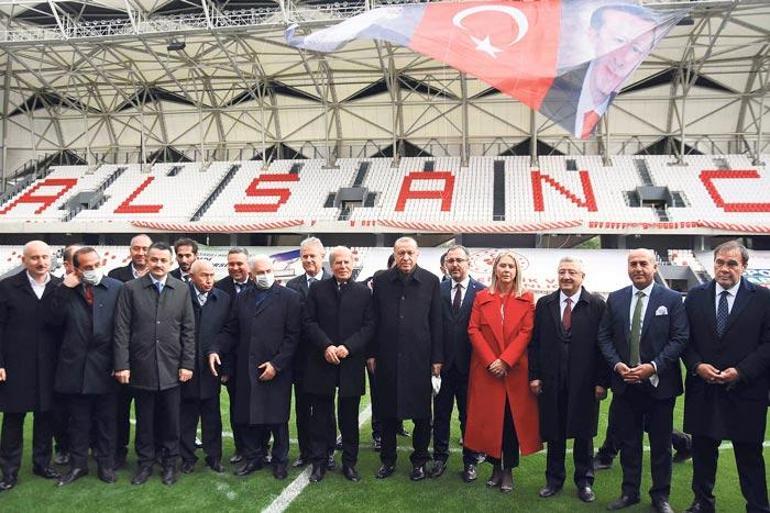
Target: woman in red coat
502	412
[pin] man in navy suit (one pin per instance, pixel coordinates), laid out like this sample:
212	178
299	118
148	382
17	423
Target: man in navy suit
200	395
643	331
727	380
186	251
457	295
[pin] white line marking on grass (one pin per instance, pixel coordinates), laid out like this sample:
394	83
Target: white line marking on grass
226	490
291	492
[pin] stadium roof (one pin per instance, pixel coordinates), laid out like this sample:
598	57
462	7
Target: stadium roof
115	80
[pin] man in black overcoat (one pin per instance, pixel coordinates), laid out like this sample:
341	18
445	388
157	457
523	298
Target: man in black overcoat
83	307
262	334
727	361
27	363
311	252
154	354
407	349
338	326
569	375
200	395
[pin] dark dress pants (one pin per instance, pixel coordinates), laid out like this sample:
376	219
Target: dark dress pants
237	437
376	424
636	408
323	431
454	387
123	422
60	417
302	416
207	410
420	441
12	441
157	415
751	472
253	446
92	414
582	452
510	451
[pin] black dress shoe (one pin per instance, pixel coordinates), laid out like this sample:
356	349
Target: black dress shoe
215	465
418	473
438	468
385	471
61	458
142	475
317	474
330	463
280	472
586	494
506	484
549	490
300	462
350	473
249	467
469	473
623	501
73	475
45	472
496	478
188	467
106	475
662	506
169	476
7	483
701	507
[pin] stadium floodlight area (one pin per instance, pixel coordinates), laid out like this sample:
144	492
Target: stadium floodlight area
707	195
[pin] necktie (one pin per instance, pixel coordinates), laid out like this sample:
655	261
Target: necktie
590	119
722	313
566	318
310	281
202	298
238	287
636	331
457	300
186	278
89	294
159	286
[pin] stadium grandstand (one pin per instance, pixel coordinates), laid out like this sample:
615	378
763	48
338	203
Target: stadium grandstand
196	118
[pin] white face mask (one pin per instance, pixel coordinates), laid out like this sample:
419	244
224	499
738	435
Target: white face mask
93	277
264	281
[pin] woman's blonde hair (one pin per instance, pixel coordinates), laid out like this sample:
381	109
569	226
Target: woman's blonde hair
517	288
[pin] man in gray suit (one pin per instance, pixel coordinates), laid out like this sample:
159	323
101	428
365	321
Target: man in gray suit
154	352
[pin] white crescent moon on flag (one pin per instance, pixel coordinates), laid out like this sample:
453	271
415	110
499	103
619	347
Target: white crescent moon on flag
515	14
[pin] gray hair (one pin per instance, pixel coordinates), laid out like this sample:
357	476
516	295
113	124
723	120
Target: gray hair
572	260
312	241
338	249
258	258
237	250
402	240
731	245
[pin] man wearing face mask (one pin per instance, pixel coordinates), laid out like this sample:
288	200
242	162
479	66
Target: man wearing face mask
83	308
261	334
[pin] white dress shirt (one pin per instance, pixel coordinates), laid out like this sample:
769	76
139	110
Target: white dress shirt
38	288
464	288
563	301
731	293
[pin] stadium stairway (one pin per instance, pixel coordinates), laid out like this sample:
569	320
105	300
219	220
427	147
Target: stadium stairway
216	192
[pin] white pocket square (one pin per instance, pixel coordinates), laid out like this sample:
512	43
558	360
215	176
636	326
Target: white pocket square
662	310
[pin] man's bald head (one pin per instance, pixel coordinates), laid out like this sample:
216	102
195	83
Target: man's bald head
202	275
36	258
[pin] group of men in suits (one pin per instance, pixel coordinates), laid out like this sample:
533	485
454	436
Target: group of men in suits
168	343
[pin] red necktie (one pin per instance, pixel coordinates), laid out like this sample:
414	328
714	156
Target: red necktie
590	119
89	294
566	318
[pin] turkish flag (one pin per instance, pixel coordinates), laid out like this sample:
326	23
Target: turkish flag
512	46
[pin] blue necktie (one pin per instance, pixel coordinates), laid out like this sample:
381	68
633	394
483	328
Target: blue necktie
722	313
159	285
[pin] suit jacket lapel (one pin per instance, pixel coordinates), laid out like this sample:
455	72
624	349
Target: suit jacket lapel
492	312
625	308
554	306
741	300
470	295
711	312
261	306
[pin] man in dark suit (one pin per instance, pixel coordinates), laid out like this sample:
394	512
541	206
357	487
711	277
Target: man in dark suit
261	334
200	395
643	331
457	295
186	251
338	325
83	307
407	350
154	352
569	375
311	252
27	363
621	36
136	268
237	281
727	383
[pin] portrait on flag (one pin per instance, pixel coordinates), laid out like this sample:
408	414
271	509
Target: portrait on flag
564	58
